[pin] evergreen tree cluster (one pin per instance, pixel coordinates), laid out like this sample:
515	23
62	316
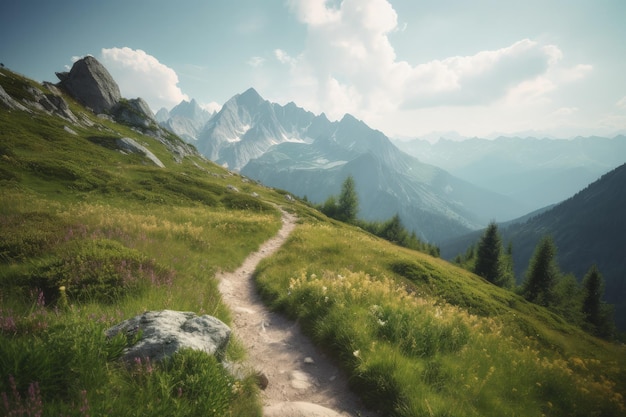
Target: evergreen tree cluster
544	283
345	208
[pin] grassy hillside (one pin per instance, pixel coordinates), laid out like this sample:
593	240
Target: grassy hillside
121	236
417	336
420	337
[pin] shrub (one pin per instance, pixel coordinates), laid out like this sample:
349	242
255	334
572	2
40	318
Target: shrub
90	270
240	201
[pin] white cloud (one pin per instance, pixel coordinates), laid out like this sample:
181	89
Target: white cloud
284	58
139	74
621	103
256	61
477	79
350	66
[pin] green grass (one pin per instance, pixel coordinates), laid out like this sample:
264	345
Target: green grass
90	236
419	336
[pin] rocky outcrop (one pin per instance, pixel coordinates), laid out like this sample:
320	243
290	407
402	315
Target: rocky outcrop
7	101
134	112
90	84
160	334
130	145
52	103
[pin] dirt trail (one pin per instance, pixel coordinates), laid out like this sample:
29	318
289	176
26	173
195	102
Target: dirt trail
300	378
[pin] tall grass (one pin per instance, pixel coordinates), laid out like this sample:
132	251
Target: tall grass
70	270
90	236
420	337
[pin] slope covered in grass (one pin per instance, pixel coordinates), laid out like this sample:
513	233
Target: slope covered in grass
420	337
90	236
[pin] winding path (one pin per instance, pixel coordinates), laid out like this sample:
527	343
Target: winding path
301	380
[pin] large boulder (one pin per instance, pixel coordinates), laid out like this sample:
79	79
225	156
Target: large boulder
90	84
160	334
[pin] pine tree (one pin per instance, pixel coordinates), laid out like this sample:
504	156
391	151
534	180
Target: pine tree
568	299
329	207
593	289
394	231
543	274
489	255
348	204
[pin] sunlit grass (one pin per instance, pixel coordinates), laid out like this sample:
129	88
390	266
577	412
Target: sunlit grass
419	336
113	262
90	236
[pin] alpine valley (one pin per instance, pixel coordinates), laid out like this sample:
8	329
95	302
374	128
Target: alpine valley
106	215
308	155
440	191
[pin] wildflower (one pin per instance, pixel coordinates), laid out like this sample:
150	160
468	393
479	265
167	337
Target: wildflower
63	297
357	353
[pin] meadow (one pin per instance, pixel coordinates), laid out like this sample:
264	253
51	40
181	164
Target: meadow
70	271
421	337
90	236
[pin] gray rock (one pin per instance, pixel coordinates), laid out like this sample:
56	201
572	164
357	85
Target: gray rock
8	101
130	145
134	112
90	83
163	333
232	188
55	104
70	130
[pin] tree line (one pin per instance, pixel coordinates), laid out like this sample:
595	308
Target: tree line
544	283
345	208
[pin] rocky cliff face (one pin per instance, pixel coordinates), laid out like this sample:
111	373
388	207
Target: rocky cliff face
90	83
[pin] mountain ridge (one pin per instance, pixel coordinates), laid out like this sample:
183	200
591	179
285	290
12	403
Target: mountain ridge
588	229
250	131
536	172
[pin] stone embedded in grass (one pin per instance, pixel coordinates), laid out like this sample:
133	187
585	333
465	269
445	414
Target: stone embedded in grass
130	145
159	334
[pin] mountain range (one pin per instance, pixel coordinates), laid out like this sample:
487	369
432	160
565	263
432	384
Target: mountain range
105	215
534	172
441	190
310	156
186	119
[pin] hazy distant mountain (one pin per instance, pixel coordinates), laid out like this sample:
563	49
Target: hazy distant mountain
535	172
293	149
429	200
186	119
588	228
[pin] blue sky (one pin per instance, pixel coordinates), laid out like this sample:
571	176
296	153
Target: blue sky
405	67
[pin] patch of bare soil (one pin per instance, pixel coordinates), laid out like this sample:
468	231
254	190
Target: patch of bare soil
301	381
